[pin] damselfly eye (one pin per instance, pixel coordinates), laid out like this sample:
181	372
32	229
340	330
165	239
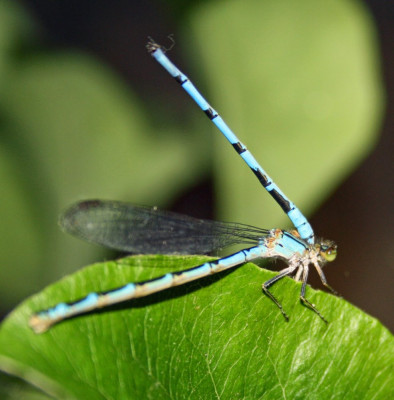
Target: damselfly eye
329	253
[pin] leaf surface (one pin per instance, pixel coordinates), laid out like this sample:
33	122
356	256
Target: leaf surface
219	337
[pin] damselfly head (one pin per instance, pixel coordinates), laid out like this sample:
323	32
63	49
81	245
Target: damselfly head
328	250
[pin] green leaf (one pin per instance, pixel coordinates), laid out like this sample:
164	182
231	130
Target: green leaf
70	129
299	83
12	388
215	338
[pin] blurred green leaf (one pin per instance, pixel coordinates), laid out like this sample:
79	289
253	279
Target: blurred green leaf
17	229
16	30
215	338
70	130
12	388
299	83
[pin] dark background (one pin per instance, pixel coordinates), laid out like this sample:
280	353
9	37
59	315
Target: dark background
358	214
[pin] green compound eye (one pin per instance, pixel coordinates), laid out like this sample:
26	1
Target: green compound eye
329	253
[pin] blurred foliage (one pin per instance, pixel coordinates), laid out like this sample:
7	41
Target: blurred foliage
300	83
71	130
12	388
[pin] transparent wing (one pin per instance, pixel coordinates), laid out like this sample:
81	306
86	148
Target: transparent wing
135	229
